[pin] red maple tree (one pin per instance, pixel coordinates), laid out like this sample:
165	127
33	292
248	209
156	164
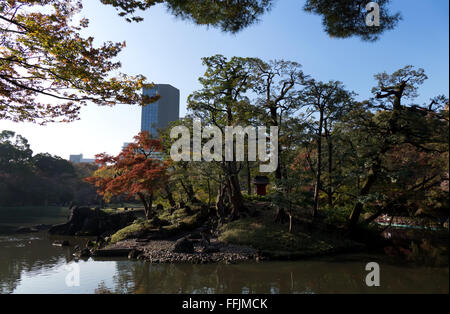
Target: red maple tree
138	171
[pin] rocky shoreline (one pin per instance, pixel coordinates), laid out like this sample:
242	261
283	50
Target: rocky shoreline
192	239
165	251
196	252
189	236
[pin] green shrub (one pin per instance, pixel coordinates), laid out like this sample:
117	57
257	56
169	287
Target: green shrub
258	198
336	215
263	236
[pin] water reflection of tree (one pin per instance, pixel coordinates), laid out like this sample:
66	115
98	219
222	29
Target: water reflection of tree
19	256
295	277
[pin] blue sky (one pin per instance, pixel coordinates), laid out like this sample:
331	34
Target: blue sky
168	50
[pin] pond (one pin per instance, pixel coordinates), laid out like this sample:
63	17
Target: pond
30	264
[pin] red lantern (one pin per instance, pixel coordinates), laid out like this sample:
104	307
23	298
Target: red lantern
261	183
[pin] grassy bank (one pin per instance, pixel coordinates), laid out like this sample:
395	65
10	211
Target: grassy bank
275	241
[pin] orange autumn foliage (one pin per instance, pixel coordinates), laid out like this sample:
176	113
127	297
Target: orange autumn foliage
136	171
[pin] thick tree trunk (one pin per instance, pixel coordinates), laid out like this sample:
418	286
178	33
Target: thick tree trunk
291	225
220	205
187	187
236	199
374	216
274	122
148	203
354	216
281	216
170	198
376	166
249	179
192	197
371	179
234	188
149	214
330	166
319	166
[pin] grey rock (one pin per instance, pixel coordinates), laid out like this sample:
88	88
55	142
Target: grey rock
84	221
183	245
133	254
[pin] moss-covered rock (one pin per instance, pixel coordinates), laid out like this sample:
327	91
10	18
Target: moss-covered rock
84	221
160	228
134	230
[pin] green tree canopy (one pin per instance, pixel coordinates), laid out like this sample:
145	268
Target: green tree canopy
342	19
347	18
230	16
47	69
15	152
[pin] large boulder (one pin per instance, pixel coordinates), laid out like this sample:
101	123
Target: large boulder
87	222
183	245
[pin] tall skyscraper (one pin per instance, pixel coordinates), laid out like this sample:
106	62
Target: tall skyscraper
158	114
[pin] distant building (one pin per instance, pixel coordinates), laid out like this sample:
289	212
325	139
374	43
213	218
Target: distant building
155	155
159	114
78	159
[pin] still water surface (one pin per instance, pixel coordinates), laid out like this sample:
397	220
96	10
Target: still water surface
30	264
